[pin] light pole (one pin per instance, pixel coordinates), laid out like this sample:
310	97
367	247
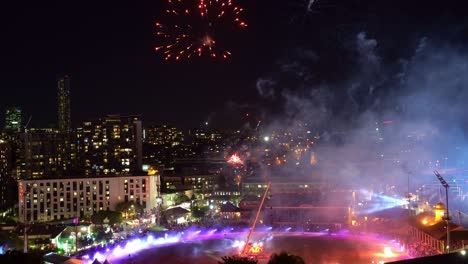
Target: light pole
27	153
159	202
159	199
25	191
447	216
25	231
75	221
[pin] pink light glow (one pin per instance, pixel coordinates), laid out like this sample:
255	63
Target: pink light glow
134	246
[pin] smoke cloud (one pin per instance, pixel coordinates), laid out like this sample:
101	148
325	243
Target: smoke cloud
389	120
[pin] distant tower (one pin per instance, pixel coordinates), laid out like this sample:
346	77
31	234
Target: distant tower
63	96
13	119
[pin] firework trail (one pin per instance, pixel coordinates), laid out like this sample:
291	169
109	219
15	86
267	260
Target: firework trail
193	28
258	125
299	11
309	5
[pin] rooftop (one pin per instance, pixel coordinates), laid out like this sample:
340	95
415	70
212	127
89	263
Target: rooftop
229	208
438	230
81	177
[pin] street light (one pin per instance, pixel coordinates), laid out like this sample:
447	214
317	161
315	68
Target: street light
447	216
75	221
27	153
25	190
25	222
159	203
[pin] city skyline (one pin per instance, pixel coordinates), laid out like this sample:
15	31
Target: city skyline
305	131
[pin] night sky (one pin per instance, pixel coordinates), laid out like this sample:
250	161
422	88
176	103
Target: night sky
107	49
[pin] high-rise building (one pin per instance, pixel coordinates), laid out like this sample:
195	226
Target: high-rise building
13	119
66	198
163	135
161	144
111	146
8	187
5	177
4	157
207	143
41	154
63	96
66	153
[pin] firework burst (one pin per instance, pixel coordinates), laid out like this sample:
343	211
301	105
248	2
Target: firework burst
195	28
235	160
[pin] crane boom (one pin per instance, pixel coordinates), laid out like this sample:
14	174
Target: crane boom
256	218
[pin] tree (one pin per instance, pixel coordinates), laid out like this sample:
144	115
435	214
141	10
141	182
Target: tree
181	198
101	235
97	218
126	207
234	199
237	260
7	218
199	212
285	258
113	217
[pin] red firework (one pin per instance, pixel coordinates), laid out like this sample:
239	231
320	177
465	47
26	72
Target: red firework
193	28
235	160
